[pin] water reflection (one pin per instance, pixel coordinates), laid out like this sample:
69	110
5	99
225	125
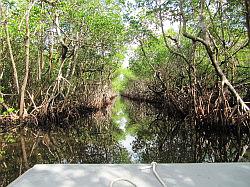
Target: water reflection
164	139
120	118
130	132
93	139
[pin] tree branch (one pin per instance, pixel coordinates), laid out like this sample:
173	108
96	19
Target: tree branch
212	56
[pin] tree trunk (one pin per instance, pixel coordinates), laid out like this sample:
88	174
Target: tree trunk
247	5
27	53
213	57
10	51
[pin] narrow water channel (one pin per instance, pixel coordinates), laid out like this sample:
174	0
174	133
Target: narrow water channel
126	132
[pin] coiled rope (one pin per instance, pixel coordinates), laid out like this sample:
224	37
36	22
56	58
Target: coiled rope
122	179
153	166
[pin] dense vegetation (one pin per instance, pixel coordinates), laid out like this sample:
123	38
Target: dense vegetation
199	68
56	55
62	62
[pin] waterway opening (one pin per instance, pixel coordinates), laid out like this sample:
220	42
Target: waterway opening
126	132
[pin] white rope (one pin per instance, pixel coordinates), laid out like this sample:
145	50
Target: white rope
153	166
157	175
121	179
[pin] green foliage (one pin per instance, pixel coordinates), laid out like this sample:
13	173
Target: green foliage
161	49
122	78
9	111
93	31
9	138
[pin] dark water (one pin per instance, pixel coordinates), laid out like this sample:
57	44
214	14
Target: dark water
129	132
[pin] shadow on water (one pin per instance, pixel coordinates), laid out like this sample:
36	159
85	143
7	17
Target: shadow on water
129	132
164	139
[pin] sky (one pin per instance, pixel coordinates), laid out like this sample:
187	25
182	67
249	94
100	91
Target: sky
133	45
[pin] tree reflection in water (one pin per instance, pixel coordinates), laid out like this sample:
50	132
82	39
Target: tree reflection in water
102	138
164	139
87	140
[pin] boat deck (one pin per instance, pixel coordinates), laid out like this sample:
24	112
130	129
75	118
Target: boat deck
101	175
